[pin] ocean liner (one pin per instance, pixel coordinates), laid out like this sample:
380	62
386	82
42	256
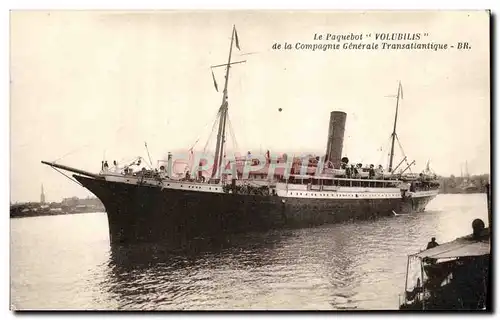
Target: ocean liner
253	193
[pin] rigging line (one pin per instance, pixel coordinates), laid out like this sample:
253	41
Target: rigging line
233	135
235	142
71	152
67	176
248	53
403	152
216	122
383	150
400	146
199	136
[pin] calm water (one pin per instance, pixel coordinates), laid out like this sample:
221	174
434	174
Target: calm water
66	262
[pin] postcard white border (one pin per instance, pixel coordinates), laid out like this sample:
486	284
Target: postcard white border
185	4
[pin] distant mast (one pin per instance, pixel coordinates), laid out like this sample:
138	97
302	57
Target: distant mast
221	134
42	196
393	135
466	176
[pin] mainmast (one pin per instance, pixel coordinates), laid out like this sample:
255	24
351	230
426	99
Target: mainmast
219	148
391	158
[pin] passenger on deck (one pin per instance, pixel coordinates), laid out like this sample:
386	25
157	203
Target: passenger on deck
371	174
359	170
432	243
200	174
106	166
162	172
354	171
379	172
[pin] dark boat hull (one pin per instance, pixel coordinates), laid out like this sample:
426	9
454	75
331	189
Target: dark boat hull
471	190
149	214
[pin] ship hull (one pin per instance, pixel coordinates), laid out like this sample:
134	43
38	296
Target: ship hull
139	213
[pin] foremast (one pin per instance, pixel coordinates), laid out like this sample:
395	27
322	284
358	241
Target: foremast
394	135
221	134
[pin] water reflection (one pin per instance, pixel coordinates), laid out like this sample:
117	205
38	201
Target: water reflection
145	275
151	254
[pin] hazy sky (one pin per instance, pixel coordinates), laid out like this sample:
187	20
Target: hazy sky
95	84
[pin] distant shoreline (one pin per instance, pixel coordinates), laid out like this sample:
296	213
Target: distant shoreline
68	206
464	193
52	214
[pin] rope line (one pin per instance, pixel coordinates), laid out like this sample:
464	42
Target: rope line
216	122
72	179
233	135
71	152
213	126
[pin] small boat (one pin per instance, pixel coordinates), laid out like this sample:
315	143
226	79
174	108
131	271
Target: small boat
454	275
